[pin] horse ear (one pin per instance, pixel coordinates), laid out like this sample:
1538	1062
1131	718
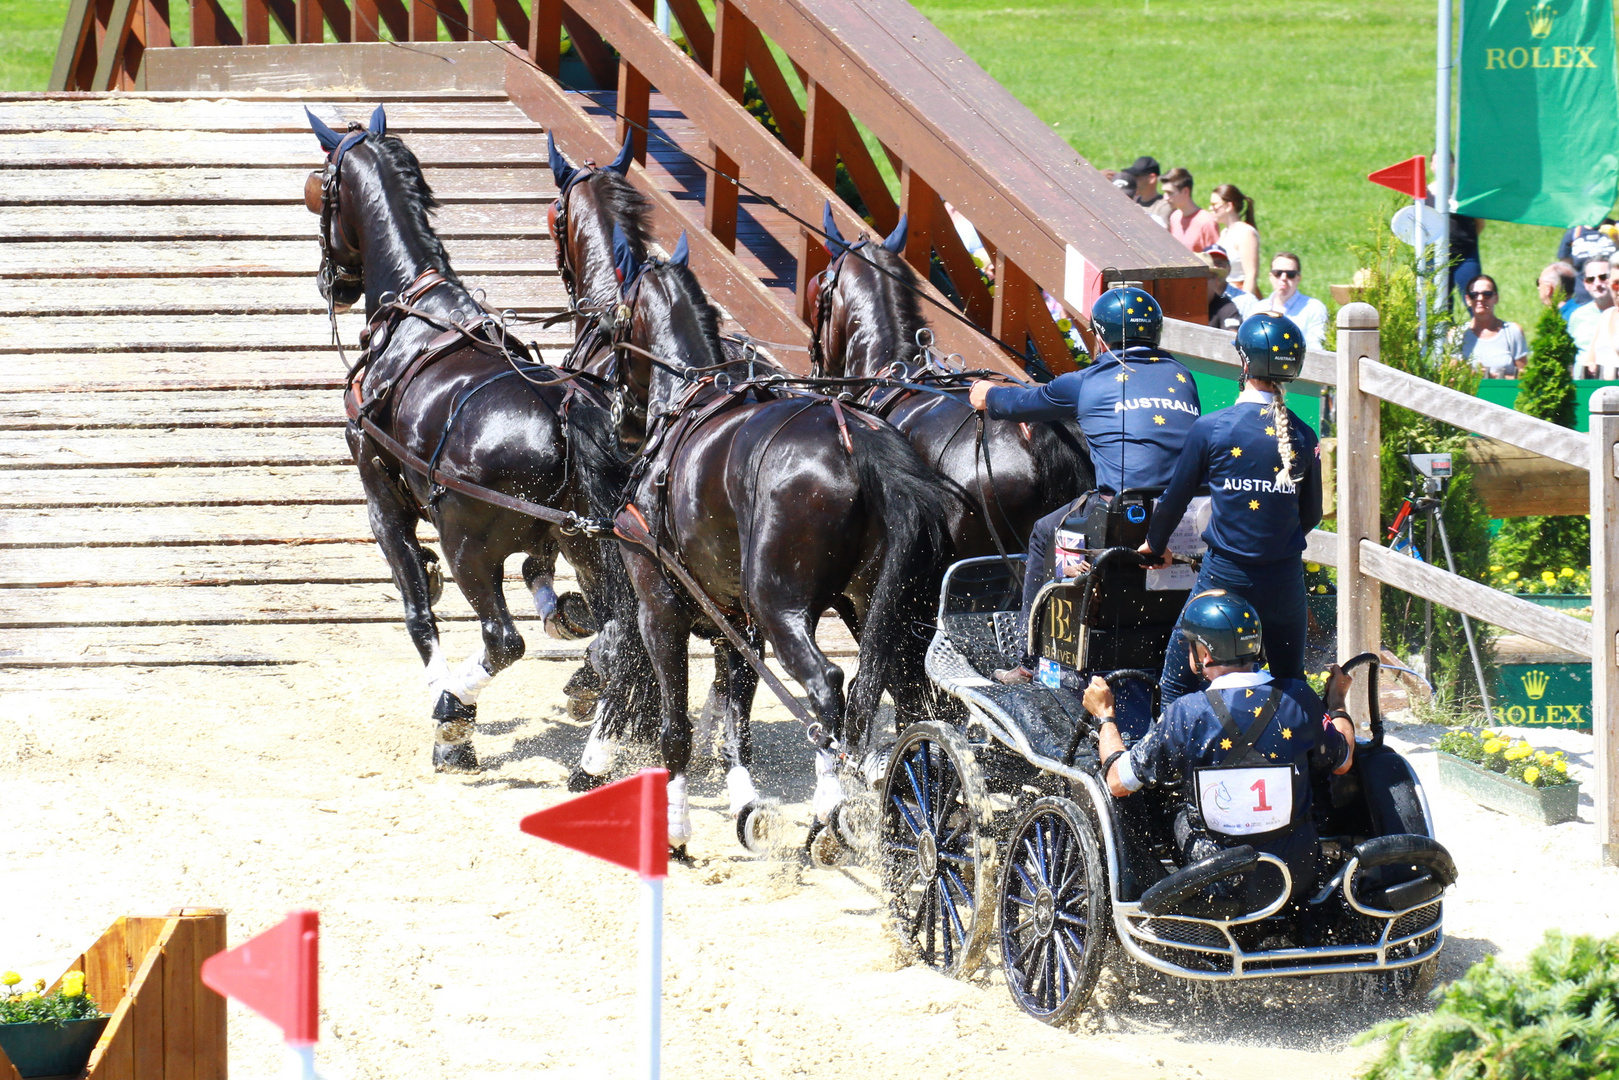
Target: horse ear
379	122
682	250
896	239
623	255
621	164
329	139
559	164
835	244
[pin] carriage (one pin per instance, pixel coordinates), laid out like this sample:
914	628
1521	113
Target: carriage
997	830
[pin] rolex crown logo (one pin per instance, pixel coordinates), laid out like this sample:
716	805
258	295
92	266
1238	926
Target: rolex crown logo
1534	684
1541	17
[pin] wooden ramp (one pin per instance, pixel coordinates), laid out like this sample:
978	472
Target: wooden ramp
174	484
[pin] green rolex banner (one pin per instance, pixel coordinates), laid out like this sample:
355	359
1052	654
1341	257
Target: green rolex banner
1538	138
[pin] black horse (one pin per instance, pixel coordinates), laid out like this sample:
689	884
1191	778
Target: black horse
778	505
441	386
1007	476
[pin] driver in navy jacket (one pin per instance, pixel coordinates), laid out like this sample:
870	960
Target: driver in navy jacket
1244	751
1135	406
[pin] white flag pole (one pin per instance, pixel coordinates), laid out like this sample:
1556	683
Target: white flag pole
1441	201
651	976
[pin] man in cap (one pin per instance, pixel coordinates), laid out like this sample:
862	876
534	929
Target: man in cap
1144	172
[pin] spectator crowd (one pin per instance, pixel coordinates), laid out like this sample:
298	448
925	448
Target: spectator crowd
1225	235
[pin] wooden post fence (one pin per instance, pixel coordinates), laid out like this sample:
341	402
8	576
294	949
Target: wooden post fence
1604	441
1360	609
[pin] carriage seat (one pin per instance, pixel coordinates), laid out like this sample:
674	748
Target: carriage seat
1210	888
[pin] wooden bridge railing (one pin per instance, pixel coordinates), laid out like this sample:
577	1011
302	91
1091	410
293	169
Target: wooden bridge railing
1049	220
1365	565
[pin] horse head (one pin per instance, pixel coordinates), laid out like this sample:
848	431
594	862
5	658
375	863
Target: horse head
590	201
369	174
673	336
866	308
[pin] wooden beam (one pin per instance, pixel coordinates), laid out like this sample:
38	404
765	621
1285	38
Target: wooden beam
923	204
513	19
916	201
769	165
1360	600
285	13
255	22
773	87
1475	415
70	49
720	195
423	20
109	58
483	20
821	158
594	53
699	34
1603	452
211	26
1470	598
311	23
455	18
545	36
727	281
395	17
365	23
338	17
866	177
159	34
1020	312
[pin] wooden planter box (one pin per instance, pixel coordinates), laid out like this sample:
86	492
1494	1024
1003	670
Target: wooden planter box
146	972
1549	806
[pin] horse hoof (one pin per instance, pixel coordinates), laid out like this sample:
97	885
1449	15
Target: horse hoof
856	821
585	682
579	780
758	826
572	620
455	758
580	708
679	855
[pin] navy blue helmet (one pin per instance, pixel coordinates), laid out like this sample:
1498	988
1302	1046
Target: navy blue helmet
1127	316
1271	346
1224	624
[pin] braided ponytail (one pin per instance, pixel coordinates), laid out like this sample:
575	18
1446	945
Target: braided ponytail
1282	421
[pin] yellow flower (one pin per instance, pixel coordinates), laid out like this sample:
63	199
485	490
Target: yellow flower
1314	568
1486	734
1548	577
1519	752
10	978
1560	765
1531	774
1321	589
27	995
39	984
1496	569
1065	325
1494	746
1566	572
73	984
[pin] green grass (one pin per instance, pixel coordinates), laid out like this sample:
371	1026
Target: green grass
1294	104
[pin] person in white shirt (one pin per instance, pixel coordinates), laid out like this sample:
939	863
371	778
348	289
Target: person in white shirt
1583	320
1285	299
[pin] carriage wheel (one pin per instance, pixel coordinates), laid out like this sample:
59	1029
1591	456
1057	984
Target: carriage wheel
938	855
1053	908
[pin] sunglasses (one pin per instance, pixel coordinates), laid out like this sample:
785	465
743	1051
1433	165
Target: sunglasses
1596	277
1289	274
1482	294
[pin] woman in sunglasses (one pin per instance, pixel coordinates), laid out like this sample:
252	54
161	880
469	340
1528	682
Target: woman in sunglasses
1495	347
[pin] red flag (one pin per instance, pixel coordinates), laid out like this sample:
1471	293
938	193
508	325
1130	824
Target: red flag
626	822
276	974
1408	177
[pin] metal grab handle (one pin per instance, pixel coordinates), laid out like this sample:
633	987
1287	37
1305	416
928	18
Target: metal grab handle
1374	713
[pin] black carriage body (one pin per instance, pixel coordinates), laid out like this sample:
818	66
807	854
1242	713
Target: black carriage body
1377	904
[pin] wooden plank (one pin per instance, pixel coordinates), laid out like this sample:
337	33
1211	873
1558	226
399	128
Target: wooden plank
238	448
1321	547
1360	600
1033	195
367	97
316	368
107	975
527	293
215	258
171	410
168	149
1475	415
178	1028
198	526
146	1017
257	564
229	605
209	1053
1513	482
209	221
1216	346
97	333
1470	598
239	185
1603	451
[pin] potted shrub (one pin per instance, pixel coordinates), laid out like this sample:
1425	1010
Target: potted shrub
1509	776
48	1034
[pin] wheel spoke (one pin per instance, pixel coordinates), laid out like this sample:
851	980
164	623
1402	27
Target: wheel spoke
1030	886
895	845
918	788
944	801
905	813
1073	920
947	916
956	860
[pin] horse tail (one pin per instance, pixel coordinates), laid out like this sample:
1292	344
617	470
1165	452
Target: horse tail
913	506
619	655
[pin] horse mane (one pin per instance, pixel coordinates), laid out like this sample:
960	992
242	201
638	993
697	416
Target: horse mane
627	205
687	289
415	198
897	292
